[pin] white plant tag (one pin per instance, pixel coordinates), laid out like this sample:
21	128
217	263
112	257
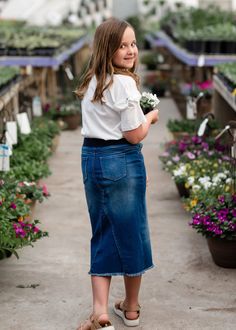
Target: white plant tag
4	158
201	61
69	73
8	142
37	106
191	109
23	122
11	128
233	151
202	127
29	70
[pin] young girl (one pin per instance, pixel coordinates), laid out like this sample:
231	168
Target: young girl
114	172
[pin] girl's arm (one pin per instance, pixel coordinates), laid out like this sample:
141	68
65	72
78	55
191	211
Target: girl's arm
138	134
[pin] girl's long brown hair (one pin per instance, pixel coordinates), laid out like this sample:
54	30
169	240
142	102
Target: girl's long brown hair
107	40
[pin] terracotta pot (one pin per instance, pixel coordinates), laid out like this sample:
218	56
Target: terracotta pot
179	135
72	121
223	251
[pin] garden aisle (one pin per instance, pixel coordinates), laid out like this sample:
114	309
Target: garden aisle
48	287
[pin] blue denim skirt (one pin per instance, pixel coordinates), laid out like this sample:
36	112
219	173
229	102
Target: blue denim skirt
115	186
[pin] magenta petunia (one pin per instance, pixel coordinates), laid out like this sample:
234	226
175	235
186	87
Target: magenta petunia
13	206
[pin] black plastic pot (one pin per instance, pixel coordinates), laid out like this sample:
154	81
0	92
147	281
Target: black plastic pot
5	254
183	192
228	47
43	51
223	251
213	47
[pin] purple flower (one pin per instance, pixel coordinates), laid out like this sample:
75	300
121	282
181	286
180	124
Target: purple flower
19	231
46	107
234	213
182	146
234	198
222	214
205	145
196	139
190	155
176	158
13	206
221	199
220	147
227	158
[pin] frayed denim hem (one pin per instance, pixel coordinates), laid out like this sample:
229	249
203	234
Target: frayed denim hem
122	274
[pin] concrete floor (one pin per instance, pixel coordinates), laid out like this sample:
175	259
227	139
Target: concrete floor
186	290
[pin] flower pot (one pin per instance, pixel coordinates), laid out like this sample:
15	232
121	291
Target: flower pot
228	47
5	254
179	135
183	192
223	251
72	121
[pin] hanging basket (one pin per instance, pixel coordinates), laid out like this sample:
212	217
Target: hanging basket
223	251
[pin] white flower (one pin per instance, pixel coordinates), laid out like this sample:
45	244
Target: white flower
149	100
196	187
190	180
180	171
204	179
207	185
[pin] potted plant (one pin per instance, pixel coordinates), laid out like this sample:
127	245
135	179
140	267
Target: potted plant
216	220
150	60
16	228
69	112
182	127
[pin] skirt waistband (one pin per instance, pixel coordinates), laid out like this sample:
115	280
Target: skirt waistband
93	142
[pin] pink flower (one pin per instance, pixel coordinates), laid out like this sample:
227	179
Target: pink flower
45	190
35	229
13	206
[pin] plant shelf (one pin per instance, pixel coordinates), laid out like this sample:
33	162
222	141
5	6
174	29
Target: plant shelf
43	61
161	39
223	91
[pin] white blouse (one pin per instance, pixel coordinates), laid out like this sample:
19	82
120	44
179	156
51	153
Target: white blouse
120	111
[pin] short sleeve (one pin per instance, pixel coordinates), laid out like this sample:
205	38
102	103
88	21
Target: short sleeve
123	97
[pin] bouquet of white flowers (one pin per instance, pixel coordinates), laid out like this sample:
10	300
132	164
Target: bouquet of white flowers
148	102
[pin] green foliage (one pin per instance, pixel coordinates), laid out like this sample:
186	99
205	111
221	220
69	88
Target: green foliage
29	37
18	188
55	111
188	23
183	125
228	70
7	74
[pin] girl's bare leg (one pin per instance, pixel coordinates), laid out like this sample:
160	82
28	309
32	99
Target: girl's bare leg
100	288
132	287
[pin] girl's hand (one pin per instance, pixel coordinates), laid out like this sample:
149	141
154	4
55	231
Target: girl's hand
154	115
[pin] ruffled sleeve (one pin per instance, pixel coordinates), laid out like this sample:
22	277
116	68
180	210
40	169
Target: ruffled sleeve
124	97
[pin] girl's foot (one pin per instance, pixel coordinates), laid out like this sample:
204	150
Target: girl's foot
97	322
129	316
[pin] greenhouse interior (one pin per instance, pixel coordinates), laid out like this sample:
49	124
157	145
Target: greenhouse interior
187	62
